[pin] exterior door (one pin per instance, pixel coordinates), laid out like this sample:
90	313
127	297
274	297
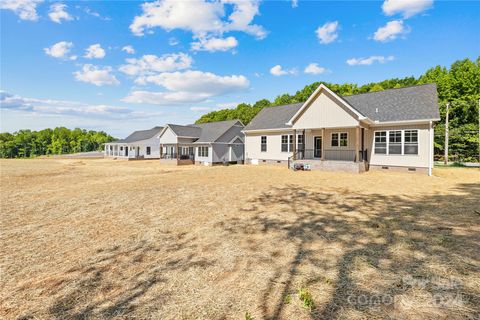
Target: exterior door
126	151
317	147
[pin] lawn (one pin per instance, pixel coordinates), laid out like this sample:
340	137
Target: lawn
115	239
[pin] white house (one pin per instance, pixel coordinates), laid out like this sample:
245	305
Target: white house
205	143
385	130
143	144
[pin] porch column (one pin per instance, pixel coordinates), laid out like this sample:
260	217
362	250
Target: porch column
357	144
294	144
322	157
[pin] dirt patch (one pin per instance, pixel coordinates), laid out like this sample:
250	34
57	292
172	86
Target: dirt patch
115	239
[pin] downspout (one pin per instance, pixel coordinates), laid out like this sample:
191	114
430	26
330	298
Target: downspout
430	149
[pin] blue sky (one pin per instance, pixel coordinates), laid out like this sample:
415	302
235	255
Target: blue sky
128	65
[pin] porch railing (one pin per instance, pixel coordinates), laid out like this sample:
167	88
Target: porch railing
332	155
180	156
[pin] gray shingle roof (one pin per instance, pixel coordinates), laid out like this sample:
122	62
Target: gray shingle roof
410	103
403	104
211	131
140	135
204	132
185	131
274	117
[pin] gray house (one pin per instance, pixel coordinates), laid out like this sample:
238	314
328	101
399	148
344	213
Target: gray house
206	143
385	130
142	144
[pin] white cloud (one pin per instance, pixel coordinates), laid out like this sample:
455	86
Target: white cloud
188	86
24	9
173	41
368	61
214	44
199	16
390	31
328	32
313	68
128	49
95	14
58	13
279	71
294	3
60	50
407	8
95	51
96	75
150	64
62	107
201	109
227	105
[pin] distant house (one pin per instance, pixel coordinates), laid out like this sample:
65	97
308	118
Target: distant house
206	143
385	130
143	144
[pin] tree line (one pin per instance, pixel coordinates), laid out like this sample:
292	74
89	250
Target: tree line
27	143
458	85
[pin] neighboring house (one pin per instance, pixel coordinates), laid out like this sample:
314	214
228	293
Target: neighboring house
206	143
143	144
387	130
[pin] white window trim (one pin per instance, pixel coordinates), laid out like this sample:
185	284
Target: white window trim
339	133
403	143
288	143
266	144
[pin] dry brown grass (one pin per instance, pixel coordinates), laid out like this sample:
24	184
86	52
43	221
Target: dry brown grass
104	239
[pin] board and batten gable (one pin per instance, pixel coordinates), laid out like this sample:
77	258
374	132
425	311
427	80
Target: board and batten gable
168	136
325	111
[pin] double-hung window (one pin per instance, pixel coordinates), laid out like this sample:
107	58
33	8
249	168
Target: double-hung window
381	142
300	142
395	142
411	142
287	143
284	143
263	143
339	139
203	151
148	151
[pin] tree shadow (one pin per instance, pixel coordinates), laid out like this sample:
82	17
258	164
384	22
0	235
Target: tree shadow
372	255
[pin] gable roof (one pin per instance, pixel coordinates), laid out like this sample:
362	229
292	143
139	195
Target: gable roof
274	117
404	104
140	135
211	131
185	131
203	132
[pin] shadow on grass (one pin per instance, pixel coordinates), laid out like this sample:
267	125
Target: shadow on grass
381	245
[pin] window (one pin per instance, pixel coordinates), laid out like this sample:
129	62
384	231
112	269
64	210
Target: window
300	141
343	139
121	148
411	142
203	151
381	142
148	151
284	143
287	143
395	142
339	139
263	144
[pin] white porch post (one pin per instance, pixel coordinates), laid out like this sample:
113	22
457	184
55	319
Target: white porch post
322	154
357	144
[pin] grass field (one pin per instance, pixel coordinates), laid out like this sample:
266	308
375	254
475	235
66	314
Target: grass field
112	239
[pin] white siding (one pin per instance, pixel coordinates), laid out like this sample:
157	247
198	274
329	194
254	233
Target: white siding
409	160
274	146
168	137
325	112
